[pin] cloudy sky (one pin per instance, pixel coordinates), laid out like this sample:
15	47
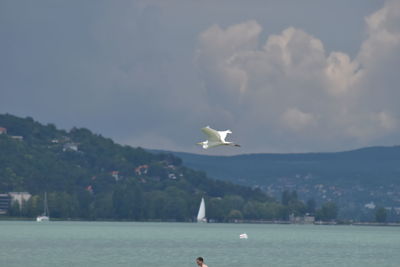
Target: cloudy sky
284	76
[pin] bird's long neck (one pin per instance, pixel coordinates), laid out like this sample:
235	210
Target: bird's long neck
231	144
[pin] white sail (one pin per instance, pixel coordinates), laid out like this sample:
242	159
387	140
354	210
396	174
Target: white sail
201	216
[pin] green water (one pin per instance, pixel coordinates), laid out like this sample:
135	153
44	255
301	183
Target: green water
178	244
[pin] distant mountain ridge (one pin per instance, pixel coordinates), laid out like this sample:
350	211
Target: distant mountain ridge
352	178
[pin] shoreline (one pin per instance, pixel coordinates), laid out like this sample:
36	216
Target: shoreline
391	224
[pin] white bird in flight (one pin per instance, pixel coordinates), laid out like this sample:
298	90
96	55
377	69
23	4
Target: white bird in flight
215	138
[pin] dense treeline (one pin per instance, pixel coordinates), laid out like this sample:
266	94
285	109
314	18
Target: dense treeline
88	176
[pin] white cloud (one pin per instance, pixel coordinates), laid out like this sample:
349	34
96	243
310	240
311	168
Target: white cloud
341	73
383	34
297	120
291	84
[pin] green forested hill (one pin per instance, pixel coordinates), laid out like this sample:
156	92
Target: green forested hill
88	176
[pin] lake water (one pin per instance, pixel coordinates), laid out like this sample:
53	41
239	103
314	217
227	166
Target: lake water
178	244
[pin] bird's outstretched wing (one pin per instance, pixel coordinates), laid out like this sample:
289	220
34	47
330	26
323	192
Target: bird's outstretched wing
212	135
223	134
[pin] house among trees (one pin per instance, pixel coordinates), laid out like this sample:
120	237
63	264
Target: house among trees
89	189
70	147
115	175
172	176
19	197
142	169
8	199
17	137
5	201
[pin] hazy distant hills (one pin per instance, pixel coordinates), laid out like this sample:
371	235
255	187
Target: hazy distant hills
352	178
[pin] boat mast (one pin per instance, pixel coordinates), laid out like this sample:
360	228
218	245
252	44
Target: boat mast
46	208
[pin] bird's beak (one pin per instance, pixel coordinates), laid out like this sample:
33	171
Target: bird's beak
199	143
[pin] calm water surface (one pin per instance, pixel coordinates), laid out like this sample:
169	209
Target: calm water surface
178	244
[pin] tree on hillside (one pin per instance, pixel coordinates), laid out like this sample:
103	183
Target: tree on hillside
380	214
311	206
327	212
293	204
288	197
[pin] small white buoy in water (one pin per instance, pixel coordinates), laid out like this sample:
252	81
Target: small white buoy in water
243	236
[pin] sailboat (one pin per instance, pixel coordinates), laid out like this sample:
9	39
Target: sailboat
45	217
201	216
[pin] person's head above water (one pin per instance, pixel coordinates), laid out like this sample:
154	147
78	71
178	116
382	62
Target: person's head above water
200	261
